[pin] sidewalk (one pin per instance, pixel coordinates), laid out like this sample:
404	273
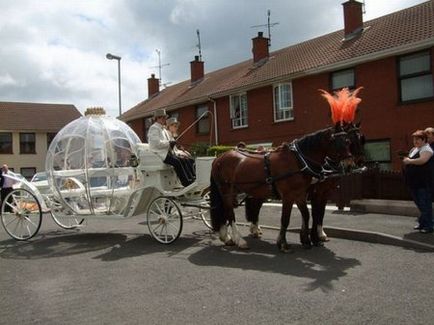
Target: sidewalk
370	227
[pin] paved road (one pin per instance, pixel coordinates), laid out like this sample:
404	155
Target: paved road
110	273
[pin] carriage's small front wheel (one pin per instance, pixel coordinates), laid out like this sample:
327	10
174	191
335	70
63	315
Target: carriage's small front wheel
164	220
204	211
61	218
21	214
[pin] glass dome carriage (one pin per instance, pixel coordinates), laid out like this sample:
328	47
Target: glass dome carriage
90	165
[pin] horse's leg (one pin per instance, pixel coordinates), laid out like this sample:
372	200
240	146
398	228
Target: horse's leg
253	206
282	244
318	209
304	231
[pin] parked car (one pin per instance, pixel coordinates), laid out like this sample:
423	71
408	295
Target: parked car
41	182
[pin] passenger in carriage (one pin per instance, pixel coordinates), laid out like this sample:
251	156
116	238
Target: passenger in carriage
162	144
187	160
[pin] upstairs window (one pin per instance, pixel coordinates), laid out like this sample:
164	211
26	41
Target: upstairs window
283	110
238	111
27	143
203	124
415	76
5	143
343	78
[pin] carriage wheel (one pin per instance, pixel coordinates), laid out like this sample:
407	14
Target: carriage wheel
58	213
164	220
204	212
21	214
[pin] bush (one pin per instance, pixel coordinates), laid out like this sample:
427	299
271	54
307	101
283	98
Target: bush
218	150
199	149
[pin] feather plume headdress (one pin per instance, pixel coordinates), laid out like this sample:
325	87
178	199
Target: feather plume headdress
343	104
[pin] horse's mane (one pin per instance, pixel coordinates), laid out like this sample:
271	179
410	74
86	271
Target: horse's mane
314	139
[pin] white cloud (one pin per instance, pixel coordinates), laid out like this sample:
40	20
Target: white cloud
54	51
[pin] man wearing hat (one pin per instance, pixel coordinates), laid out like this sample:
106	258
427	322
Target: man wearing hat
162	143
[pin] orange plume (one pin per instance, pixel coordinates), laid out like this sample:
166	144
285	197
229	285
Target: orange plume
343	104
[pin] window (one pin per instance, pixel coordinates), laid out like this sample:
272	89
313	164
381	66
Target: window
378	152
238	111
283	110
415	76
27	143
28	172
343	78
50	137
203	124
5	143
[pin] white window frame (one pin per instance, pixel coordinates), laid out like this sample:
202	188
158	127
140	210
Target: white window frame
281	110
239	117
414	75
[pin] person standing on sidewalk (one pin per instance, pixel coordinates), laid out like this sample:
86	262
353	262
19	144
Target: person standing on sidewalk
418	179
6	185
430	136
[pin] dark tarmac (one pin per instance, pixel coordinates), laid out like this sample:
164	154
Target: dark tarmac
113	272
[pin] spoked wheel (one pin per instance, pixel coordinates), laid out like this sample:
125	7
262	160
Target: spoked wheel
21	214
164	220
61	218
205	211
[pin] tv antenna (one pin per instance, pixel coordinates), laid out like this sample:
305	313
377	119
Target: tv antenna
268	25
198	44
159	66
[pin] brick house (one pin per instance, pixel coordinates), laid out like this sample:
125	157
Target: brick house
26	131
274	97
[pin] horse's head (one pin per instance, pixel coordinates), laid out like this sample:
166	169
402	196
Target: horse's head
357	141
339	144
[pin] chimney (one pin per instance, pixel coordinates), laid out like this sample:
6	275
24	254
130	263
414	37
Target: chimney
260	47
153	86
353	17
196	68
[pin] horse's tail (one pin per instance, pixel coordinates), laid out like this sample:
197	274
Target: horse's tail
217	212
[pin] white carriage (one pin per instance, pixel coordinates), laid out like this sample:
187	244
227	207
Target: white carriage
97	168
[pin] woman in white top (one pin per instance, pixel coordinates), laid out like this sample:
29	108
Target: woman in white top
418	179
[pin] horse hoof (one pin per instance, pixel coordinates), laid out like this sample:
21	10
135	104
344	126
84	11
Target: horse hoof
306	245
318	244
243	246
255	235
230	242
324	238
284	248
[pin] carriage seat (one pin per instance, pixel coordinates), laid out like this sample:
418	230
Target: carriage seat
150	161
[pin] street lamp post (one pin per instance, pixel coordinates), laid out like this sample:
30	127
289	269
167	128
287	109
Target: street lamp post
118	58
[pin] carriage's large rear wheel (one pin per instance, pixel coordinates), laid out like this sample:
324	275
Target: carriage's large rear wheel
21	214
164	220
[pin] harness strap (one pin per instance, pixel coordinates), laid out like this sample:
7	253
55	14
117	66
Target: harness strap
270	180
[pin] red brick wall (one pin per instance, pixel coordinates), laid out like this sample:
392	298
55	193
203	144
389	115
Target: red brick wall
381	114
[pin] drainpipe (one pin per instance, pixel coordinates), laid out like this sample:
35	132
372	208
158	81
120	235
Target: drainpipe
215	120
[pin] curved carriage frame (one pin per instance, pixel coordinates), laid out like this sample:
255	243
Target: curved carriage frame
159	196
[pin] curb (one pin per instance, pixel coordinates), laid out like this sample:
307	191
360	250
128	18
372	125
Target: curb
363	236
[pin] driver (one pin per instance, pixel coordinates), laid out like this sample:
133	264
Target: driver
162	144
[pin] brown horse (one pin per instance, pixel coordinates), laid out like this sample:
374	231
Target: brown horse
286	172
319	193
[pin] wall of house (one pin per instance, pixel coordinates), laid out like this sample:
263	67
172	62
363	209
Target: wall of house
380	113
18	161
138	126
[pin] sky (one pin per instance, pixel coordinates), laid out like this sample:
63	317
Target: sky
54	51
